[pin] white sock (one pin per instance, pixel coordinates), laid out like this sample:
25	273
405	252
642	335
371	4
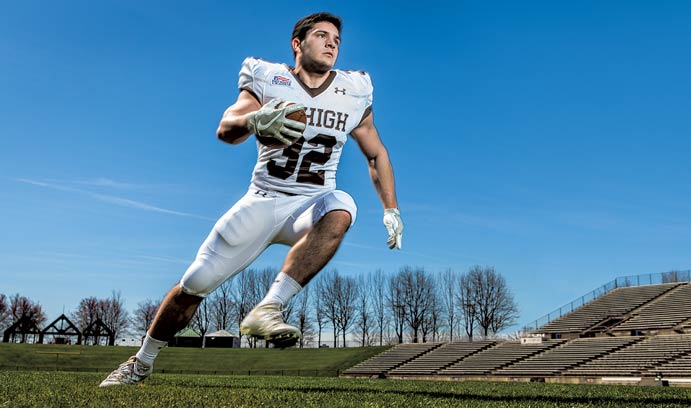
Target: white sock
283	288
150	349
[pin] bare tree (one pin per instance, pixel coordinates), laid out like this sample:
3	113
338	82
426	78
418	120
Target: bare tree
466	304
265	278
496	309
319	312
222	306
144	315
87	312
363	313
113	313
432	318
4	311
329	308
249	290
417	293
346	290
22	306
396	305
202	319
377	290
243	296
302	319
449	283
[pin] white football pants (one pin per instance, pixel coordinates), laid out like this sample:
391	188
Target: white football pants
257	220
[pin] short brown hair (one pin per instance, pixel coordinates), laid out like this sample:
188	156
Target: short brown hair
304	24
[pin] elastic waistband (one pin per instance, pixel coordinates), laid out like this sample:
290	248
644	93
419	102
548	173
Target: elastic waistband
268	193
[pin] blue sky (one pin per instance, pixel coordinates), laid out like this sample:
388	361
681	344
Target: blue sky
548	139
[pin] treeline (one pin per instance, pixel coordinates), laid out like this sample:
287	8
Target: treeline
375	308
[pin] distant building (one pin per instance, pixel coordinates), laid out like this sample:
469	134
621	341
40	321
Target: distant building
186	338
222	338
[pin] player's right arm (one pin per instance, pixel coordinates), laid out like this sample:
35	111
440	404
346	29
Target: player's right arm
233	128
246	116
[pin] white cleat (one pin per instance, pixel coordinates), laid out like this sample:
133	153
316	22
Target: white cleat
130	372
266	322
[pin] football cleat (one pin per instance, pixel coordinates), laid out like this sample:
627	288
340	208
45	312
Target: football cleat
130	372
265	322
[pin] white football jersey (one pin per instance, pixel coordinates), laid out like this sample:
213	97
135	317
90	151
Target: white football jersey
333	110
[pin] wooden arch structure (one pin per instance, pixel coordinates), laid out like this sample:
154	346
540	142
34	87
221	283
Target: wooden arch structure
98	334
62	330
23	330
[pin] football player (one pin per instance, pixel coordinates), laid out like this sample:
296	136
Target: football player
292	198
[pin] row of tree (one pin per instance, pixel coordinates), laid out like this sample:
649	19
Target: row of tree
374	308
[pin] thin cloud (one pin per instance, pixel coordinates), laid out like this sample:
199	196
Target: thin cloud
119	201
106	182
100	182
356	245
166	259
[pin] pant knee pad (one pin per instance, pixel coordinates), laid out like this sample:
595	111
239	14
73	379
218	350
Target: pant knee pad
203	276
340	200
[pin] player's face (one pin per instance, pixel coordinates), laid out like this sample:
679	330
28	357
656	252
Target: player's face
319	50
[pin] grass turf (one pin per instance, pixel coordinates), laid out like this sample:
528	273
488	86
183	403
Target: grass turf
292	361
49	389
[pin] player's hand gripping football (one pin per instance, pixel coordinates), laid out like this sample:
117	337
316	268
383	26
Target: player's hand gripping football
394	226
270	120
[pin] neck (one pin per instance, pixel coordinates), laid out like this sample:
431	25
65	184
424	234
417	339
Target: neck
310	78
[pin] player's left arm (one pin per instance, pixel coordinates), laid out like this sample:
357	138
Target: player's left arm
381	173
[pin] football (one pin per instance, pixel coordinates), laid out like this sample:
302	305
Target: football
298	116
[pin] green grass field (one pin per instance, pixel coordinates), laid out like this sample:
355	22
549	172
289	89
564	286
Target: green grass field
70	389
57	379
292	361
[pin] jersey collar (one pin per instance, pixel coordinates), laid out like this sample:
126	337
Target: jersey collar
314	92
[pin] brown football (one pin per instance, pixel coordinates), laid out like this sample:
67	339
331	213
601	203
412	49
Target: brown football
299	116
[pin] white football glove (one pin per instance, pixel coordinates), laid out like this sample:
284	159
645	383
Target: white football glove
271	121
394	226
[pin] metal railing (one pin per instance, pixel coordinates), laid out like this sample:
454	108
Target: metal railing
620	282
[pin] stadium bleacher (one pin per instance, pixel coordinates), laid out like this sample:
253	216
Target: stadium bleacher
628	334
616	303
497	357
568	355
637	358
678	367
662	313
440	357
392	358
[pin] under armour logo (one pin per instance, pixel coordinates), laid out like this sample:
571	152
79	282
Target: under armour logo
261	193
342	91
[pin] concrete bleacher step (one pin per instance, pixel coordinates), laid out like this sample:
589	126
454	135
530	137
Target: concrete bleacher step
683	326
618	302
566	356
637	358
388	360
664	312
497	357
441	357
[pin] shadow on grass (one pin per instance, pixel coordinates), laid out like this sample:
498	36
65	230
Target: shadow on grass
469	396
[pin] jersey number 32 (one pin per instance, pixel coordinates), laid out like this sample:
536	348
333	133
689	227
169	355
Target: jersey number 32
305	174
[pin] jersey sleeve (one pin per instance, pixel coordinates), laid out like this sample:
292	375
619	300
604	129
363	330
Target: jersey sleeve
367	92
248	81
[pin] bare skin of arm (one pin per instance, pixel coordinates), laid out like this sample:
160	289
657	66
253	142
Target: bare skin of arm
380	169
233	126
